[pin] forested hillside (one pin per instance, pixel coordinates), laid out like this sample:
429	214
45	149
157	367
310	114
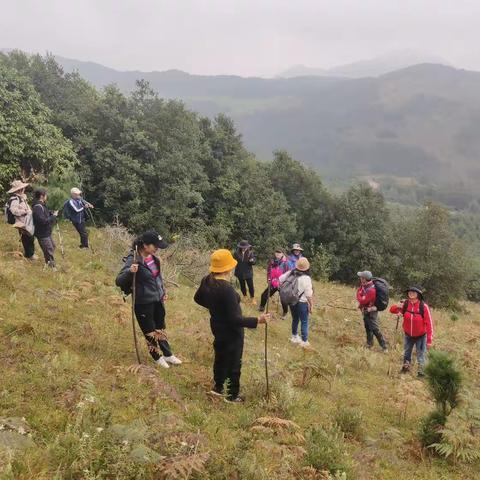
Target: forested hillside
146	162
411	131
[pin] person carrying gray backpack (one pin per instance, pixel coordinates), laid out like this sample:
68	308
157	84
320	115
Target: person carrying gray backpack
296	290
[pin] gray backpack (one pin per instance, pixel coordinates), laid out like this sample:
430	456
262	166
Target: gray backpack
289	294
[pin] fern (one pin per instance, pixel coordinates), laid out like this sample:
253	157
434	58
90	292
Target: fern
181	467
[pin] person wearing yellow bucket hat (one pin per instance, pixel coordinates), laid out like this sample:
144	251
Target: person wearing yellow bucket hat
226	322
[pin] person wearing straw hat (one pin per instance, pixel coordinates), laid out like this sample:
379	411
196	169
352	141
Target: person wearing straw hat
74	210
22	213
44	219
244	270
227	324
295	255
417	327
301	305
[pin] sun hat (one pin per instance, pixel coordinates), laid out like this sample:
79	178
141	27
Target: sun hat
244	244
222	261
366	274
303	265
417	290
75	191
296	246
153	238
17	185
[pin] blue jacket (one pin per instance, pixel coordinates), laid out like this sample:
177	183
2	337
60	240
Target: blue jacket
292	261
74	210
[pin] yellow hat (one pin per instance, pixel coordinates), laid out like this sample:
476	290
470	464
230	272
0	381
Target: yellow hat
222	261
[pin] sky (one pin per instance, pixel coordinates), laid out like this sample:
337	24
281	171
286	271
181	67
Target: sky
243	37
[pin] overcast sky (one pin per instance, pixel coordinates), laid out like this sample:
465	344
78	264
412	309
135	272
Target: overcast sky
246	37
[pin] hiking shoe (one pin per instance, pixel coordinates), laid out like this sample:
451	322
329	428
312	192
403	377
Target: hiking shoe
173	360
162	362
304	344
261	309
405	368
420	374
296	339
284	316
368	346
385	349
215	393
236	399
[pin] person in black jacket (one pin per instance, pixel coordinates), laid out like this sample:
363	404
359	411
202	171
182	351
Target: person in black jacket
74	210
43	220
226	322
150	294
244	270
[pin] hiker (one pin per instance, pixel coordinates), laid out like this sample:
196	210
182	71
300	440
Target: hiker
244	270
74	210
19	214
366	296
150	294
295	255
227	324
296	290
276	267
43	220
417	326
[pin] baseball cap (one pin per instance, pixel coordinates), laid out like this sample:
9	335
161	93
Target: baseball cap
153	238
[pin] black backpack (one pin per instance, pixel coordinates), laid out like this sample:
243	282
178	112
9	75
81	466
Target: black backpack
9	217
421	308
382	297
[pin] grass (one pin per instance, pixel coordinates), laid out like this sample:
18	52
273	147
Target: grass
68	369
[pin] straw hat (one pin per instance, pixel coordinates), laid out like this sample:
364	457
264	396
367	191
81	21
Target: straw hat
17	185
303	265
222	261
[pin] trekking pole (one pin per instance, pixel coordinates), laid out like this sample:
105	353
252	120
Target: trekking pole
134	292
60	239
267	393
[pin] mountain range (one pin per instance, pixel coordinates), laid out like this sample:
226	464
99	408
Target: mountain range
411	132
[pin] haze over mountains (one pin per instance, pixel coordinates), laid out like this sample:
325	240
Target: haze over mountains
409	130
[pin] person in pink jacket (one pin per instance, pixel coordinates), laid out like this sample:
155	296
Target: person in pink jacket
417	326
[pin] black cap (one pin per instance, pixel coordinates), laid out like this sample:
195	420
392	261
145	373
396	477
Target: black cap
416	290
153	238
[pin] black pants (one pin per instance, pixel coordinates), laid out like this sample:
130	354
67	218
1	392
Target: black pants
243	286
227	365
48	248
264	298
151	318
28	243
372	328
82	230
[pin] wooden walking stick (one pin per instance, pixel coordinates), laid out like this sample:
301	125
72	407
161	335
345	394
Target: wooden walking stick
267	392
134	291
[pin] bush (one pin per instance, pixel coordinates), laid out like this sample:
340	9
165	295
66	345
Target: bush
444	380
326	450
431	426
349	420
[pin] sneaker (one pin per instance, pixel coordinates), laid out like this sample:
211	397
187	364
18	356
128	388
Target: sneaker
173	360
162	362
304	344
230	399
215	393
385	350
284	316
296	339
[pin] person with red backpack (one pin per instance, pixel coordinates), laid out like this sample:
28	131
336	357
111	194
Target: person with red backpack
366	297
417	326
276	267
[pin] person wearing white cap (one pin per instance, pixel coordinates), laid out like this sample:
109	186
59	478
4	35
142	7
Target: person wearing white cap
74	210
19	215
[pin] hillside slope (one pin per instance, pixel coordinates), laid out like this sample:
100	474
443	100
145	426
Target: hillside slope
66	354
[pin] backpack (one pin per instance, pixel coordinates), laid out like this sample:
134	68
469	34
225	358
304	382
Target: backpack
9	217
289	294
382	297
421	308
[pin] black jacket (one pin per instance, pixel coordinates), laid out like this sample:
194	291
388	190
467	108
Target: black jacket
223	303
148	289
244	268
43	220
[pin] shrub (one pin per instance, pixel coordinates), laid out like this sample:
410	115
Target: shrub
349	420
444	380
326	450
431	426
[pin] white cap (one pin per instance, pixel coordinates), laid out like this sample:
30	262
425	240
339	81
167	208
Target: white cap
75	191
